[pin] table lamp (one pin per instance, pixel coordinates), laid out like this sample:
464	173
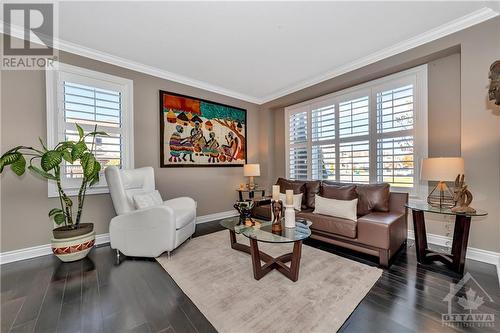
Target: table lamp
441	169
251	170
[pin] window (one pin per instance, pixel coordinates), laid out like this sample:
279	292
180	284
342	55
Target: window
89	98
374	132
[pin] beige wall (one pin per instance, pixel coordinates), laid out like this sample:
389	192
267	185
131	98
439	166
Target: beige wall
24	204
461	121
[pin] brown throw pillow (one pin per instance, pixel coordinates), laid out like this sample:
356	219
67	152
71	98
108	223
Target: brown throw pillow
295	185
312	188
373	197
339	192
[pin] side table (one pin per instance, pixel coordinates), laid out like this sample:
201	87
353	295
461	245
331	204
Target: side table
456	260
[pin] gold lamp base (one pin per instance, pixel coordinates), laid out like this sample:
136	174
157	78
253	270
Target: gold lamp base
441	196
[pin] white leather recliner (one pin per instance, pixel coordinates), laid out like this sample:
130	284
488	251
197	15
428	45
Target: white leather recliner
150	231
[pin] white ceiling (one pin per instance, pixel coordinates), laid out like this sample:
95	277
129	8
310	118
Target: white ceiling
257	51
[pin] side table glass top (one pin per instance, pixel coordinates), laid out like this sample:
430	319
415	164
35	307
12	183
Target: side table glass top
264	232
447	211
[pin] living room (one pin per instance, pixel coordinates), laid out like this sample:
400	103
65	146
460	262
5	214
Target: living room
250	166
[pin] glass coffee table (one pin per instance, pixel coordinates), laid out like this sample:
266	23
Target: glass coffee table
265	234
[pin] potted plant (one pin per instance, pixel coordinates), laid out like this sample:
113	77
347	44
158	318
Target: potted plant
72	239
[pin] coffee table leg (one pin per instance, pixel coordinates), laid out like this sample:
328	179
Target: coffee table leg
254	251
295	264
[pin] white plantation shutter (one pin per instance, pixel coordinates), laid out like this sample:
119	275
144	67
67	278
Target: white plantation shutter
323	141
89	106
88	98
298	145
395	136
353	117
354	162
374	132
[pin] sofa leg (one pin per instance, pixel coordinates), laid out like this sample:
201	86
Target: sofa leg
117	256
383	258
168	255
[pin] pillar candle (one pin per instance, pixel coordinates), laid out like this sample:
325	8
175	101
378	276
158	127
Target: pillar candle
276	192
289	197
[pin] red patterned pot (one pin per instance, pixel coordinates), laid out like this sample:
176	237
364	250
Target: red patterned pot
73	248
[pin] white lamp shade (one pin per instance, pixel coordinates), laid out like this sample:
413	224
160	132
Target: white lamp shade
441	168
251	170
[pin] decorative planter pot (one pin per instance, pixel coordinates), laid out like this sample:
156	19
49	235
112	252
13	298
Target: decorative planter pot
76	246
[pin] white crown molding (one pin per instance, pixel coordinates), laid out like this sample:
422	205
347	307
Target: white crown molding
43	250
461	23
449	28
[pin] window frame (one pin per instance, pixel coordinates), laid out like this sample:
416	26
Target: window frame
56	125
416	76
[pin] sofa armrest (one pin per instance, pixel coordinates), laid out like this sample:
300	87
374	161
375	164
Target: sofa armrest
397	202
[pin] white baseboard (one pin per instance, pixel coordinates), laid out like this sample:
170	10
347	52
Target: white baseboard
43	250
216	216
40	250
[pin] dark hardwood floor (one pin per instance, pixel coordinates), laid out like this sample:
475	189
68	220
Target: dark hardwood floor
96	295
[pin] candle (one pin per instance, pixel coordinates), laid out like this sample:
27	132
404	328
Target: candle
289	197
276	192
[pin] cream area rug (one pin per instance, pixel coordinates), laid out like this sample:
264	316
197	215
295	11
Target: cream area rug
219	280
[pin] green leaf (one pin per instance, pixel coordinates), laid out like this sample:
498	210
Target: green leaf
78	150
54	211
65	145
41	173
19	166
88	164
10	158
67	156
94	180
43	145
50	160
97	133
95	177
59	219
80	131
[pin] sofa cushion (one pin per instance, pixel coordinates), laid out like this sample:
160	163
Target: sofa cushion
373	197
378	228
296	185
334	225
345	209
312	188
338	192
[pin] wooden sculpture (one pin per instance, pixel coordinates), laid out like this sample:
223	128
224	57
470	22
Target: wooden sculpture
462	197
494	90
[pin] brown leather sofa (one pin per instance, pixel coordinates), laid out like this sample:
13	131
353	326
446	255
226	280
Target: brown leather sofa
381	226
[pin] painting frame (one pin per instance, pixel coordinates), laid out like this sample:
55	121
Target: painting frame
196	165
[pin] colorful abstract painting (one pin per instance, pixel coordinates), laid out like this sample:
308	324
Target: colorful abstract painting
199	133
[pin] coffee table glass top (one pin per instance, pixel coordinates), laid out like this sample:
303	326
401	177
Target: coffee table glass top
264	232
431	209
